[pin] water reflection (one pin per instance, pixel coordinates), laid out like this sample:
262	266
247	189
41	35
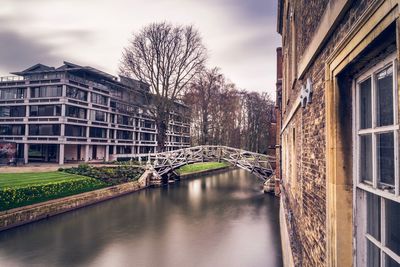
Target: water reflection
218	220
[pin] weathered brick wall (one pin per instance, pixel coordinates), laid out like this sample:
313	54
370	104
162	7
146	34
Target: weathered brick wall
308	14
278	114
305	194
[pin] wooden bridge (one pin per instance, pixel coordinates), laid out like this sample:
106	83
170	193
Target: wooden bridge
166	162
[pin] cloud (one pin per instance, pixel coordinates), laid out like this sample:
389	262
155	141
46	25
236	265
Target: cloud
18	52
240	34
248	11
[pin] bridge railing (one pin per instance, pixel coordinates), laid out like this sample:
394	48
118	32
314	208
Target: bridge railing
261	165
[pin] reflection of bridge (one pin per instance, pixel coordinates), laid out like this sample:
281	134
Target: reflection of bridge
259	164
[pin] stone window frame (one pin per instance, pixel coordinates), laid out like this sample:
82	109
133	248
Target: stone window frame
340	211
365	188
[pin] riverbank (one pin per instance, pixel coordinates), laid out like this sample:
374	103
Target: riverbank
27	214
201	169
60	202
22	189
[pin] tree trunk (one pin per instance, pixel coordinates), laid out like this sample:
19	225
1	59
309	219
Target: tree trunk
205	127
162	127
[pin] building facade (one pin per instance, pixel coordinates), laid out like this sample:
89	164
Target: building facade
75	113
278	115
340	185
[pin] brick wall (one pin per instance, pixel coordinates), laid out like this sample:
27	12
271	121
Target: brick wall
278	114
304	188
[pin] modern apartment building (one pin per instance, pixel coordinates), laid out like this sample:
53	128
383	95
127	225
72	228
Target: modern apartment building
76	113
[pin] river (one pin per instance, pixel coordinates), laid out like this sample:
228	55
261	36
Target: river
221	219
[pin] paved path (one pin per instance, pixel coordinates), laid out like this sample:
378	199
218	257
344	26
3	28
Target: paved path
34	168
44	167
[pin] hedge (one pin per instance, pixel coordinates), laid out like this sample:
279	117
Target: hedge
12	197
109	175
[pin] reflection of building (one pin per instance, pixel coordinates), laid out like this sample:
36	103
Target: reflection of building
80	113
340	132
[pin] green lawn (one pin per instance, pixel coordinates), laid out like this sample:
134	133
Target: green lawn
20	189
202	166
35	178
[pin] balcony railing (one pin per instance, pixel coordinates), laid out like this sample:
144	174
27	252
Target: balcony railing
11	79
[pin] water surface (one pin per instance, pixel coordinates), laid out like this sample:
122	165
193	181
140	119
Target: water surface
219	220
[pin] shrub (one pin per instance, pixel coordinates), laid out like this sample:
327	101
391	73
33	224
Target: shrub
109	175
12	197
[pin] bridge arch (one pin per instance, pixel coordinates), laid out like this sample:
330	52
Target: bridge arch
261	165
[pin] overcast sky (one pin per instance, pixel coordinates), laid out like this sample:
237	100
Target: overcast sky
239	34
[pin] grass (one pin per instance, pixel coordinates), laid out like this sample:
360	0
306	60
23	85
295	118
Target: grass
20	189
203	166
14	180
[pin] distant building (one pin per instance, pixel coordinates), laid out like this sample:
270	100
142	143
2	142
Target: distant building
340	203
75	113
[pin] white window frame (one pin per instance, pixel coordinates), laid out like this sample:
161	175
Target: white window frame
360	218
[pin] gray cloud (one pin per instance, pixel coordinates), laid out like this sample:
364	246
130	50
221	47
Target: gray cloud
240	34
250	11
19	52
73	35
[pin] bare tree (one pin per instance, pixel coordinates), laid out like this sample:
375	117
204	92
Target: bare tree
201	96
166	57
224	115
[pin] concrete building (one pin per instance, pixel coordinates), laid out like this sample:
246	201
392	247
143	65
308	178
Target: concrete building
340	203
75	113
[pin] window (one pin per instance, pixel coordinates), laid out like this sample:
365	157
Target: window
125	135
12	111
45	110
97	132
111	134
74	130
15	93
147	137
149	124
377	165
99	115
76	93
46	91
17	129
44	129
125	120
99	99
76	112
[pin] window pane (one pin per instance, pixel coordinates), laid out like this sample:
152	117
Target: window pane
385	149
384	94
393	226
366	157
391	262
373	255
374	216
365	104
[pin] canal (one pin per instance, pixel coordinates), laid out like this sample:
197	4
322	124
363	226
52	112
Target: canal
218	220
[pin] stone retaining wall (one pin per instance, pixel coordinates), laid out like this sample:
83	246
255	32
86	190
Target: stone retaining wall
19	216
